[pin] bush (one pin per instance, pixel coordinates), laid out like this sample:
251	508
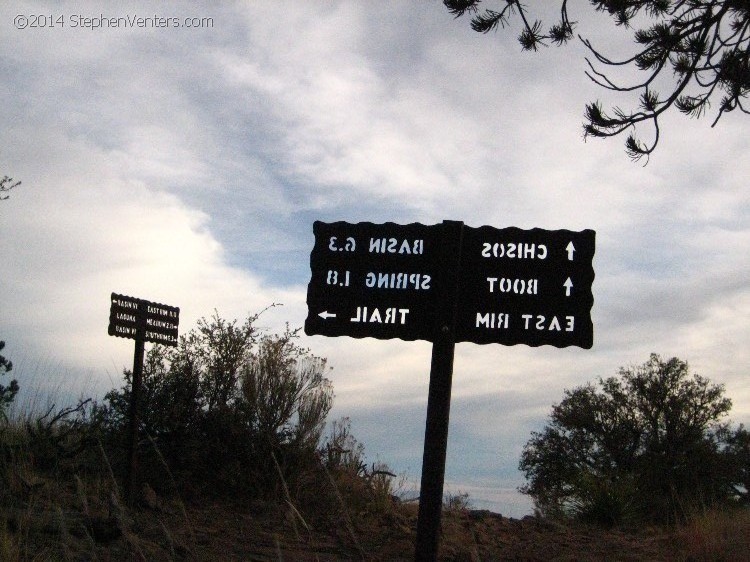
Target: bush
363	488
223	409
230	414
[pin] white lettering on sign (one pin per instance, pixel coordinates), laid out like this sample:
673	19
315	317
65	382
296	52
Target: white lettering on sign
126	317
160	324
521	250
383	280
124	303
162	311
349	245
125	330
516	286
552	325
160	337
396	246
333	278
391	315
492	320
570	248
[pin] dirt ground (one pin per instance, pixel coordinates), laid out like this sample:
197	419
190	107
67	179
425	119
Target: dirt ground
261	532
467	536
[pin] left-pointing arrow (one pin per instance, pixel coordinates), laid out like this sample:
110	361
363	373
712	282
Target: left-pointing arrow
325	315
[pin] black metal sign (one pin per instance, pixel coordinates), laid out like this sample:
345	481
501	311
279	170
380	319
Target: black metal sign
515	286
528	287
372	280
142	321
134	318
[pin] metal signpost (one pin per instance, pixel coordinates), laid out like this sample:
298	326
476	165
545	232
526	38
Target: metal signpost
142	321
449	283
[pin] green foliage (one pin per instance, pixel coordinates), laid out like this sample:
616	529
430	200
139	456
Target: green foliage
285	393
7	393
645	446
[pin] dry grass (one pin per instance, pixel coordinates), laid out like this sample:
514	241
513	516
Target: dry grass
66	509
715	536
71	509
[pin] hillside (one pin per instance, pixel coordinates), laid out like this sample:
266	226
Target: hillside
74	521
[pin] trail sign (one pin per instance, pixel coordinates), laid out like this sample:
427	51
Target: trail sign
142	321
134	318
372	280
515	286
530	287
449	283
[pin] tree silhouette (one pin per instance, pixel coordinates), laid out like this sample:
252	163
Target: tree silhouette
647	445
704	43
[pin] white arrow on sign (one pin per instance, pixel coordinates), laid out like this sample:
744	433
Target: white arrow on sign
325	315
568	286
570	249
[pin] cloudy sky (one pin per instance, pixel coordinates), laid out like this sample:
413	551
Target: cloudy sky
187	166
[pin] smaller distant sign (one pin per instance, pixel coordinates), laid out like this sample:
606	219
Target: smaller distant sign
140	319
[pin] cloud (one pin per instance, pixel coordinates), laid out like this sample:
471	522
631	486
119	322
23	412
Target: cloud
75	233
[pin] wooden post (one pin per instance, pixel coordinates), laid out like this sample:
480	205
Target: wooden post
135	391
439	397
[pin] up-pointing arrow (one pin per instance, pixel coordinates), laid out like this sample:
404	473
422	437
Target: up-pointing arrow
325	315
568	286
570	248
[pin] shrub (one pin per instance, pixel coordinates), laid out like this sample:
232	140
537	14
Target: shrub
223	407
7	393
647	445
362	487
